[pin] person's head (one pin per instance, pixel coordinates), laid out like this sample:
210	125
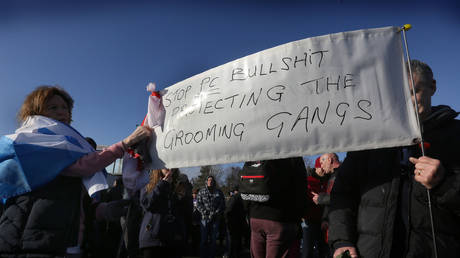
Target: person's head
157	174
235	189
194	193
118	182
425	87
329	161
181	183
49	101
183	178
210	182
335	160
91	142
318	169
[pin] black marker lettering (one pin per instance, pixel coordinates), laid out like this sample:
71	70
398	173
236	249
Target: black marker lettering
211	132
242	101
369	116
166	100
216	104
280	126
254	73
321	52
271	71
346	80
205	80
201	136
284	61
278	94
316	113
233	99
261	70
208	106
179	136
301	60
299	117
223	131
169	145
191	138
254	100
237	72
332	83
240	133
344	113
212	81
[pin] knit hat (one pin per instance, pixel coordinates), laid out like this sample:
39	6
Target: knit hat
317	163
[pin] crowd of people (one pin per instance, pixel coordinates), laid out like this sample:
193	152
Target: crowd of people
392	202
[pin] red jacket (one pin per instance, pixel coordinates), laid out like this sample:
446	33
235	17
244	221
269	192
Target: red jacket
318	185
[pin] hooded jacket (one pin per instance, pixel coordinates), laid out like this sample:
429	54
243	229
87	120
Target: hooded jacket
375	197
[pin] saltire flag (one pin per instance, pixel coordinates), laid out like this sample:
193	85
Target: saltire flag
37	153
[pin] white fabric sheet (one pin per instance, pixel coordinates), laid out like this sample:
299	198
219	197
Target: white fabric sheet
334	93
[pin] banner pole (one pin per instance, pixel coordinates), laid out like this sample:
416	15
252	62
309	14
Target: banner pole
422	143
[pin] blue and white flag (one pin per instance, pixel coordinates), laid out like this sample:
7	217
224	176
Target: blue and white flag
37	153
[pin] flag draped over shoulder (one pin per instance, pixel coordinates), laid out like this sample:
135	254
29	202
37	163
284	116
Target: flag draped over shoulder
37	152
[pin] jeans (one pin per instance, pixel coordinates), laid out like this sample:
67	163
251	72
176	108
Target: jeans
305	240
209	233
272	239
313	243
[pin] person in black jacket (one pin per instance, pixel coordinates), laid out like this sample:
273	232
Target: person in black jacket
163	199
236	222
379	203
275	223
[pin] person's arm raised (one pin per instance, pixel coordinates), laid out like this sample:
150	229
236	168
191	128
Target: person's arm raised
96	161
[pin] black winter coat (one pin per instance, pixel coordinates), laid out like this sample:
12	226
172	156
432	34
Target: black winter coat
235	214
158	205
288	201
364	200
44	221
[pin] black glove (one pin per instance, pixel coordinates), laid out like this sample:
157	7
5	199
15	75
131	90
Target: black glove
116	209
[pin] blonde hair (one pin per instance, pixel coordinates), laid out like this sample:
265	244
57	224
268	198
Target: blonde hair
156	175
35	102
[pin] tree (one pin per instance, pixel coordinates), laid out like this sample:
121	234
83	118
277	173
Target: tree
232	179
226	178
205	171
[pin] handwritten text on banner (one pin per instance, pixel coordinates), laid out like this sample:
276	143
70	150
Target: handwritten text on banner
334	93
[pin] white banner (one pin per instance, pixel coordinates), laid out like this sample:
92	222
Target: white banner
334	93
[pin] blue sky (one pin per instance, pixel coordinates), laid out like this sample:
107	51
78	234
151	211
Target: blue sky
105	52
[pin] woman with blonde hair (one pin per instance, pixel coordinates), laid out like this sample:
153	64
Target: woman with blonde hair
43	166
163	228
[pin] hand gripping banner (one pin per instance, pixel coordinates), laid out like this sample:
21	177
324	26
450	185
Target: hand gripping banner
334	93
